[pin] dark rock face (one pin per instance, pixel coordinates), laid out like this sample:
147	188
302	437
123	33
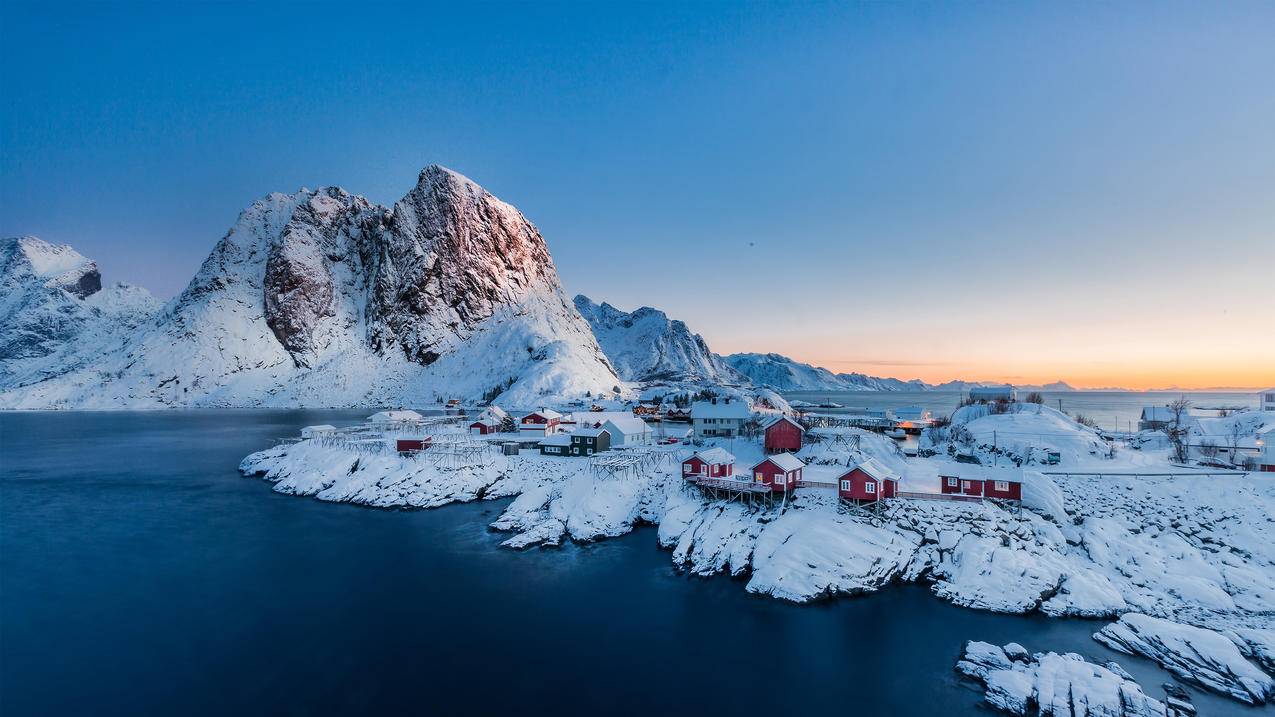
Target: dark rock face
88	283
449	255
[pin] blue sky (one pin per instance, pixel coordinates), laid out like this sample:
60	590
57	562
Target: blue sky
1020	191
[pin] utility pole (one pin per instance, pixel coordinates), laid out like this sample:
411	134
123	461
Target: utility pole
995	458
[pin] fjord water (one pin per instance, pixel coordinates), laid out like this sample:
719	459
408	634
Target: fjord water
140	573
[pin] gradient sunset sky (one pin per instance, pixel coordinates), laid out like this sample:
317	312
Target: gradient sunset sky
998	191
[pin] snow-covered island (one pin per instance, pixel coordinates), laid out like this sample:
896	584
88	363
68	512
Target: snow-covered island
1195	553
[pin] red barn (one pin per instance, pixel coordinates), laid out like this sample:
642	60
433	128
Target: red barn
783	435
949	485
868	482
779	472
711	463
412	445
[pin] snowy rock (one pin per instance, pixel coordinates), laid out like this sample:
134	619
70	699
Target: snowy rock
784	374
54	313
646	345
1202	656
1054	684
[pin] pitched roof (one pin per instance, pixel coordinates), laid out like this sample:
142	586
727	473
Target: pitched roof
395	416
495	412
594	432
715	456
628	426
557	439
876	469
785	461
722	409
546	413
780	419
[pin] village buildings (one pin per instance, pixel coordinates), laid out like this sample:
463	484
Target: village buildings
868	482
628	432
780	472
544	422
719	417
709	463
783	434
587	441
395	420
1266	400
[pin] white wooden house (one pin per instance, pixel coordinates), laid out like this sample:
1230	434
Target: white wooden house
719	417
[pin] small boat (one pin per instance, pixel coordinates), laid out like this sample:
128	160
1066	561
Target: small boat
897	434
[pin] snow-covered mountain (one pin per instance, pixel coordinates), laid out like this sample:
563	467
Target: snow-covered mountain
321	298
646	345
784	374
54	314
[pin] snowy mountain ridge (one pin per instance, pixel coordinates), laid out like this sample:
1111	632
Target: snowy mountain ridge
646	345
321	298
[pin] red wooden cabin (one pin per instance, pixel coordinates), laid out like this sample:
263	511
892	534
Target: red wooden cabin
482	428
711	463
783	435
868	482
412	445
1004	483
949	485
779	472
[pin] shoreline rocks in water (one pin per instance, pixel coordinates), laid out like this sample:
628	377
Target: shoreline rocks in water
1052	684
1202	656
1176	549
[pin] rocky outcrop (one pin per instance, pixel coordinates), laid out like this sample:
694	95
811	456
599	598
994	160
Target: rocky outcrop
1198	655
1054	685
54	313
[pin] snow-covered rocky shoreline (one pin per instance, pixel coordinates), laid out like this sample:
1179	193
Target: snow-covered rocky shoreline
1191	551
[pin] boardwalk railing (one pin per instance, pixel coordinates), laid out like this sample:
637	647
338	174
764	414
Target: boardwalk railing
728	484
941	496
815	484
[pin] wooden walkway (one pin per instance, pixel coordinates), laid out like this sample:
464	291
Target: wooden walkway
941	496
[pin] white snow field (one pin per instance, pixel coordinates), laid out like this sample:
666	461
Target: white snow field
1190	550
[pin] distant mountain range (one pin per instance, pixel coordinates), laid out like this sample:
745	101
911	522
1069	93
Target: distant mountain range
322	298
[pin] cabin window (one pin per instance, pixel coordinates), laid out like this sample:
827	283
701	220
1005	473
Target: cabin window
951	482
845	485
761	478
1002	485
869	487
687	468
590	451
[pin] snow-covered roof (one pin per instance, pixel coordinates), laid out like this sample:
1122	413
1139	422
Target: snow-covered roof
557	439
320	427
599	417
721	409
779	419
594	432
494	412
486	422
393	416
545	413
715	456
877	470
628	426
785	461
1158	413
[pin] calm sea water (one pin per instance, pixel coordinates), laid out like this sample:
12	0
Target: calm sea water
1111	409
140	574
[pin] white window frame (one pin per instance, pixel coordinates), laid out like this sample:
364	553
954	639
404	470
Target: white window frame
1002	485
953	482
845	485
687	469
870	487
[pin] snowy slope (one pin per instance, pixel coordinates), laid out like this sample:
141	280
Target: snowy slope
646	345
54	314
321	298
